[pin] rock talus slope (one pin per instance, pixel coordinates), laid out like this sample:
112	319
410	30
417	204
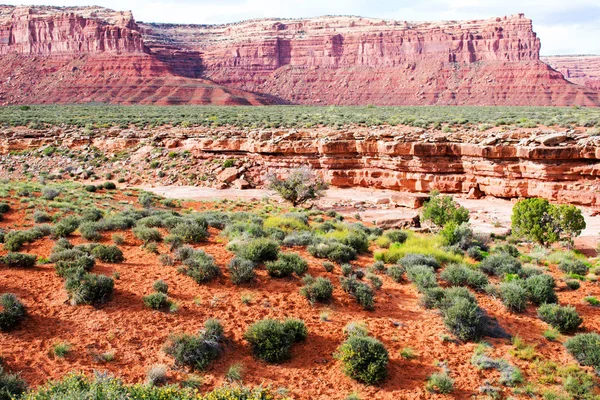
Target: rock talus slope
83	54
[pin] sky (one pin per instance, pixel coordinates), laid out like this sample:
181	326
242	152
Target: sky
564	27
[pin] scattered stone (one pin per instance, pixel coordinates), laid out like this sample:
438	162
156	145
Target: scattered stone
552	139
241	184
475	193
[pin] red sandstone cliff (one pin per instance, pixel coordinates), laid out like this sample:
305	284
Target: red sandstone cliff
582	70
91	54
50	54
350	60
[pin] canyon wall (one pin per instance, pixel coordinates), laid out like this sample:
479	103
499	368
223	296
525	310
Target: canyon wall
92	54
352	60
582	70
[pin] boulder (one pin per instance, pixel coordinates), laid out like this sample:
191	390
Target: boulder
228	175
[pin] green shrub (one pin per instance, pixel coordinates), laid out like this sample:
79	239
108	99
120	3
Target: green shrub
411	260
347	269
92	215
241	270
147	235
197	351
157	301
109	254
191	231
259	250
18	260
510	375
40	217
333	251
294	239
12	312
500	264
301	185
540	289
90	188
90	231
573	266
87	288
146	199
160	286
201	267
12	386
396	236
271	340
543	222
396	272
440	382
4	208
14	241
109	186
296	329
565	319
66	255
463	317
442	210
422	276
65	227
328	266
355	239
573	284
514	296
362	293
50	193
287	264
461	275
364	359
66	267
585	347
317	290
100	386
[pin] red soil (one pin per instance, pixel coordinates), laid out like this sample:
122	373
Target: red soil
137	334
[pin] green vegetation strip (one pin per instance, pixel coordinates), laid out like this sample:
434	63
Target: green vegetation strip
100	115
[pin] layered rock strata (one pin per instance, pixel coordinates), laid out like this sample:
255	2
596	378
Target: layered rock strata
561	166
92	54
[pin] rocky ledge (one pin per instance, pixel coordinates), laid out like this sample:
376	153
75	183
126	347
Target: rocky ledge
559	165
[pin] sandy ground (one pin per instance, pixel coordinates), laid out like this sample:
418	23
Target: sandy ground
136	334
488	214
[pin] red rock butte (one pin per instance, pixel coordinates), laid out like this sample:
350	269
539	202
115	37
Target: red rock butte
92	54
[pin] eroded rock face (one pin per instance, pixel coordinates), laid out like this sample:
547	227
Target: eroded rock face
68	31
351	60
400	158
92	54
583	70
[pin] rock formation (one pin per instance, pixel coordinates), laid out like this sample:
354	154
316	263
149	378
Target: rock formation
82	54
582	70
562	166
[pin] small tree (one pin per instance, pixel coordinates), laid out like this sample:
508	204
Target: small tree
546	223
570	220
301	185
442	210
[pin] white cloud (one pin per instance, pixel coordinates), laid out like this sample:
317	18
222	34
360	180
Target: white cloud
564	27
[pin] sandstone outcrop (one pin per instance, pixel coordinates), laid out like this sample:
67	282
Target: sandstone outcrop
399	158
352	60
582	70
92	54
